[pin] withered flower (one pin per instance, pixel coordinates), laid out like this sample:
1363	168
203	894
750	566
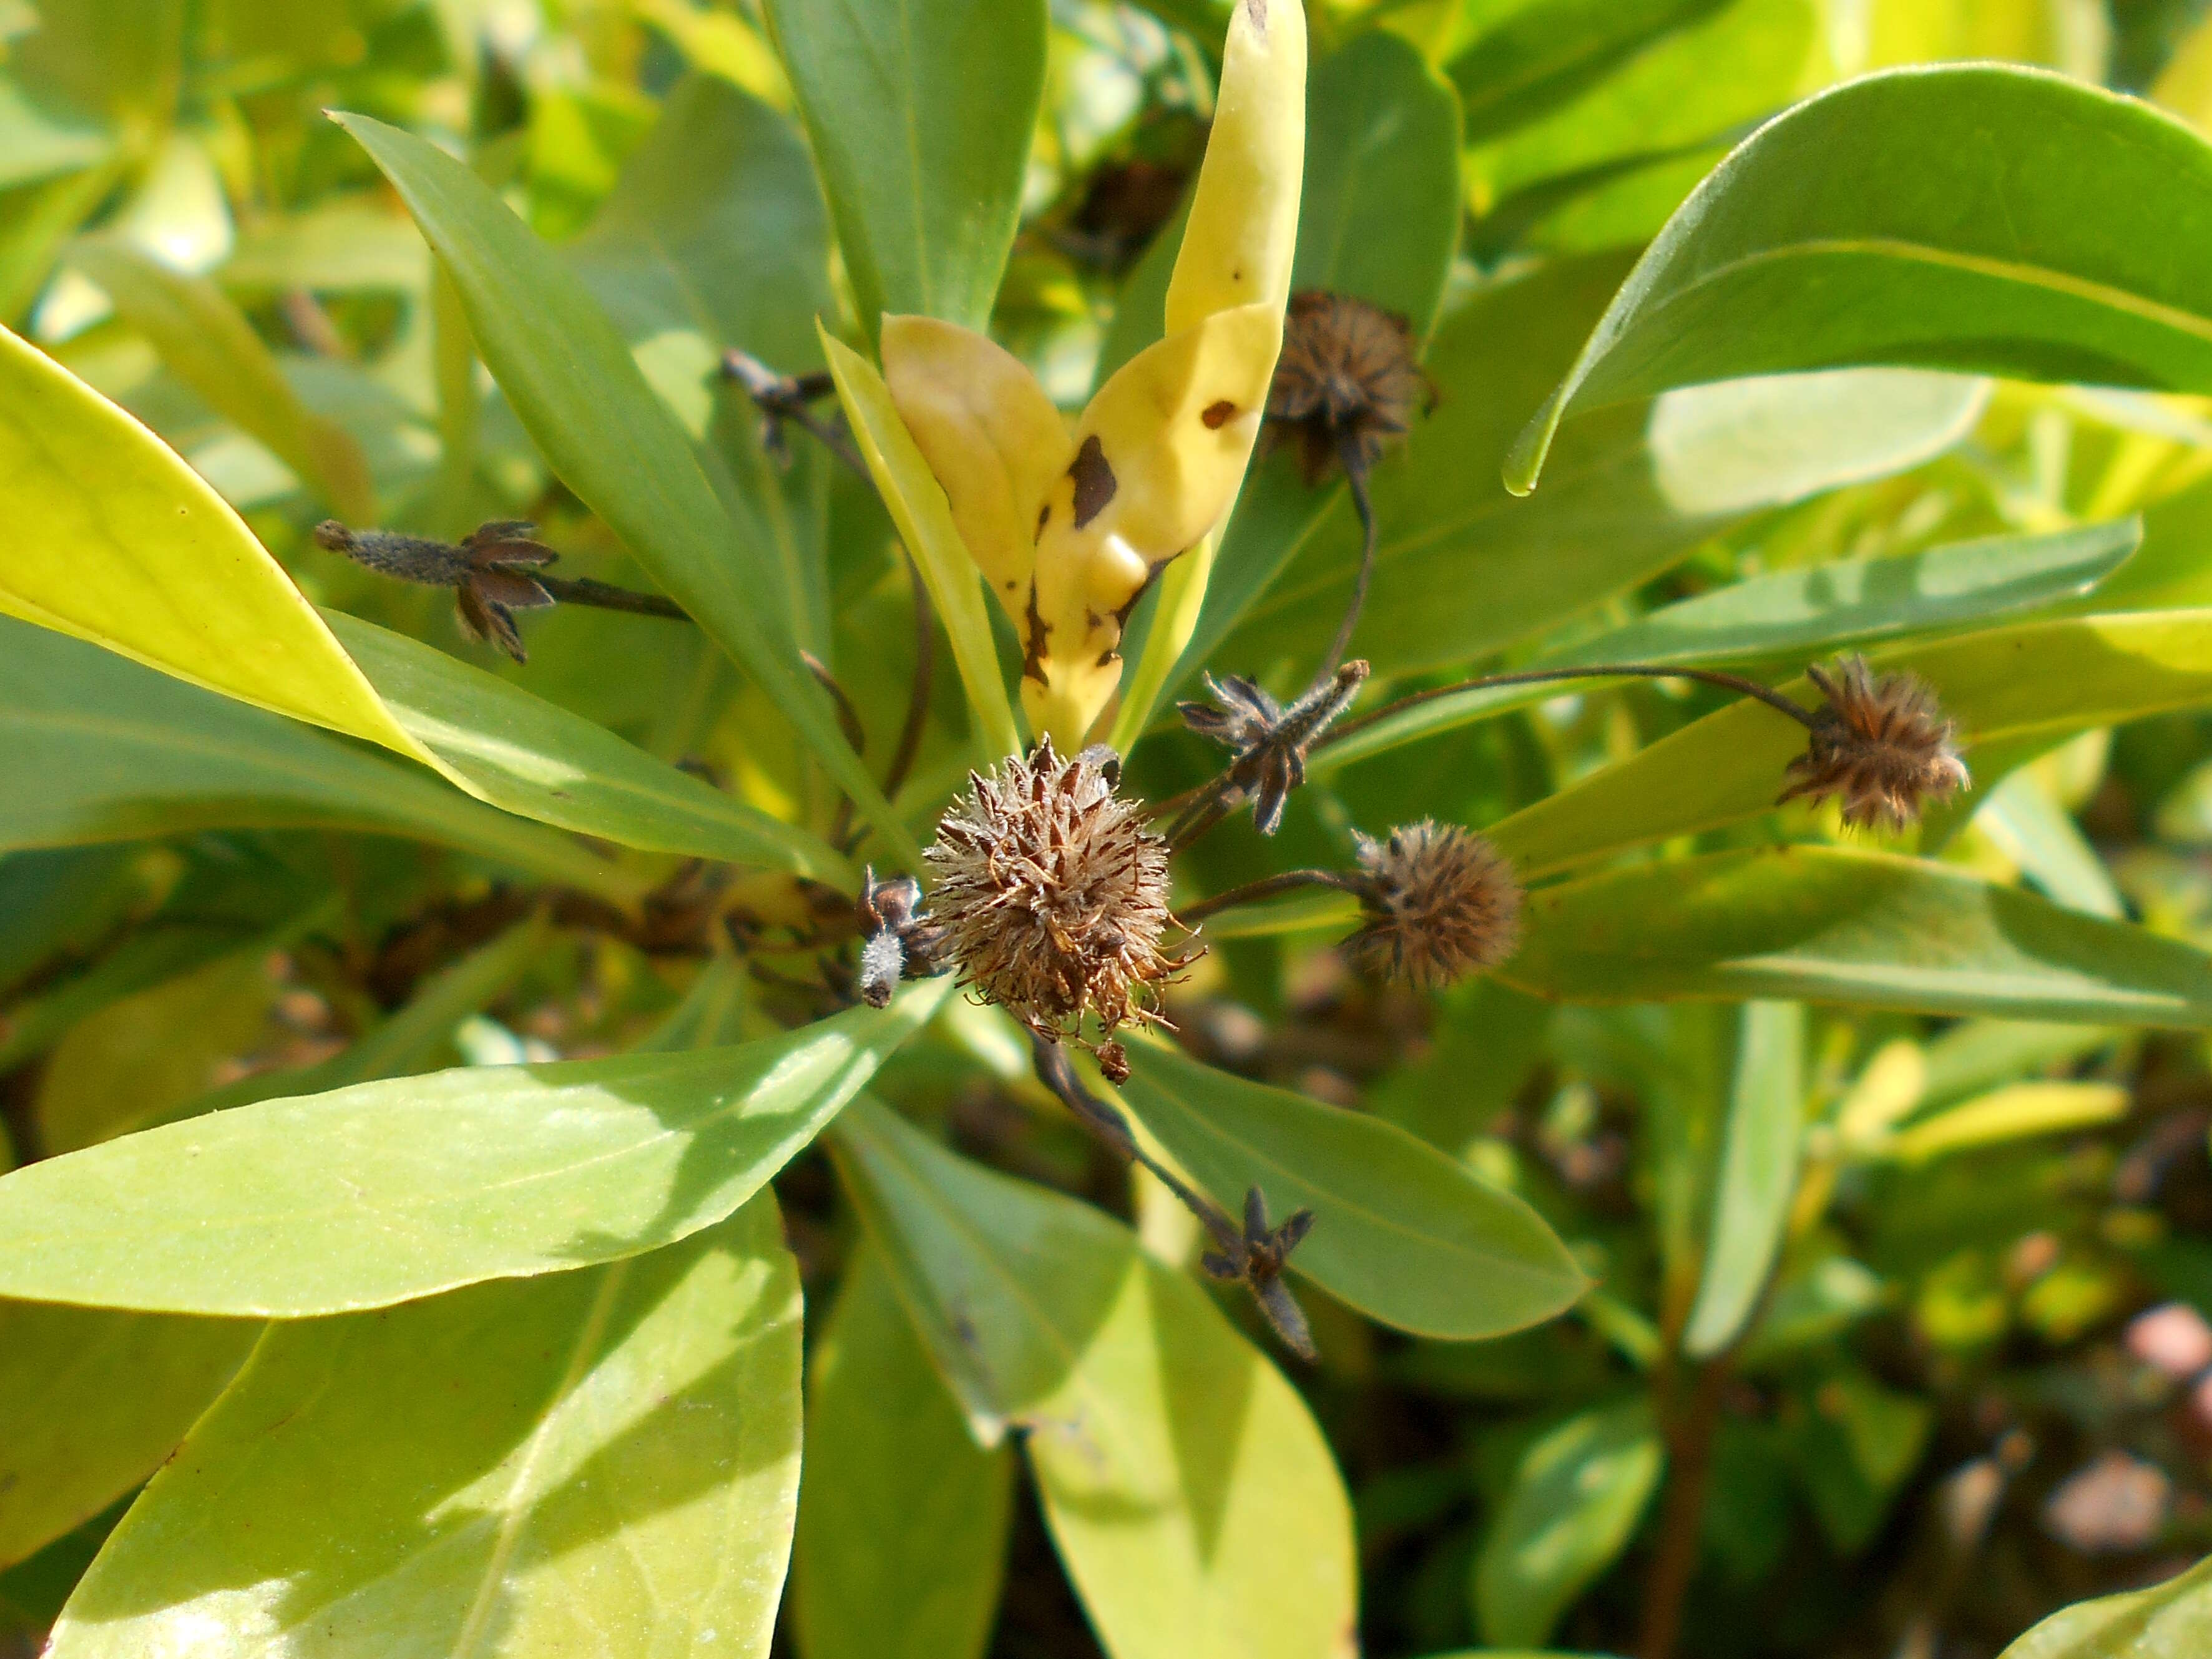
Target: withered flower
1267	743
1883	744
1442	904
1052	895
489	572
1345	383
899	941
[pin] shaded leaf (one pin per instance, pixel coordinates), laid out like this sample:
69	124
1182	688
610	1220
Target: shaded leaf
602	1461
1862	929
1992	219
1191	1496
1401	1232
1757	1175
388	1191
903	1522
2172	1620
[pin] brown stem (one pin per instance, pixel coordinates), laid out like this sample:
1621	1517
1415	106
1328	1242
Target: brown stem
1682	1511
1355	476
1772	698
1252	891
605	596
925	674
848	721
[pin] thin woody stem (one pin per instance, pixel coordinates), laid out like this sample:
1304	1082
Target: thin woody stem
1271	887
605	596
1355	476
848	719
1772	698
925	673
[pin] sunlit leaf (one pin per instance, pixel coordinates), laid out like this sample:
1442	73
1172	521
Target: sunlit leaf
388	1191
599	1461
1757	1174
2172	1620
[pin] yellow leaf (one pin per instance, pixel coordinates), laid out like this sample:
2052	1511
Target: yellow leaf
989	434
113	538
1244	227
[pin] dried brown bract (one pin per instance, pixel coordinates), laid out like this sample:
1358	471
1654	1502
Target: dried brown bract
490	572
1051	895
1442	904
1883	744
1346	381
1269	744
899	942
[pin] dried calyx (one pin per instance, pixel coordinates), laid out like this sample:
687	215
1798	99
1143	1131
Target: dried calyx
1441	902
1347	382
1267	743
1052	895
1882	745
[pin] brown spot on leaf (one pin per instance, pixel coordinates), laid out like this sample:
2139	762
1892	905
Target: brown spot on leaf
1217	415
1257	12
1044	518
1034	639
1094	483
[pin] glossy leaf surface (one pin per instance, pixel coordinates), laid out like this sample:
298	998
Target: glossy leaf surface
388	1191
598	1461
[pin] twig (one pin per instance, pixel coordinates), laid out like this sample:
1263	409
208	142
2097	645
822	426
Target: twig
1252	891
1772	698
604	596
1682	1513
925	674
1354	460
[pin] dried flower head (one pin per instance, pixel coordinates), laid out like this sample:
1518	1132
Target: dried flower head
1267	743
1347	378
1442	904
489	572
1051	893
898	941
1883	744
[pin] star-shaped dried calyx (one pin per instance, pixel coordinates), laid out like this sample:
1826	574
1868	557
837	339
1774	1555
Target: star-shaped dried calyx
1257	1259
1882	745
1269	743
1347	382
490	571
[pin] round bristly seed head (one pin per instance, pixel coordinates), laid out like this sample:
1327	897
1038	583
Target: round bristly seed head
1052	896
1882	745
1346	376
1442	904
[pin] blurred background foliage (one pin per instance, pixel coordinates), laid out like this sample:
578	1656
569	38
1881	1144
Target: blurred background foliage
1981	1385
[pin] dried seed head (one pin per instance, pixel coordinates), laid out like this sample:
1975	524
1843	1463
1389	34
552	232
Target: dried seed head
1883	744
489	572
1347	375
1051	893
1442	904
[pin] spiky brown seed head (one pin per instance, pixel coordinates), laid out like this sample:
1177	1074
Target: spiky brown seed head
1346	376
1052	895
1442	904
1883	745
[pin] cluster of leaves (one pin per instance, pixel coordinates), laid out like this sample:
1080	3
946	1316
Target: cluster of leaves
399	1042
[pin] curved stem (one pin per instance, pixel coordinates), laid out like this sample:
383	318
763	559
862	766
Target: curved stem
925	673
1772	698
1355	476
1252	891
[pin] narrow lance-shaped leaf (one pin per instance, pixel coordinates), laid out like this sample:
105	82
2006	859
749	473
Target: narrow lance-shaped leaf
94	748
1860	929
604	1461
113	538
534	758
389	1191
1757	1175
902	1523
1401	1232
1992	219
586	404
1191	1496
921	115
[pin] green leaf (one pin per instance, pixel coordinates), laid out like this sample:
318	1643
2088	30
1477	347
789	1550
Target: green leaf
1861	929
206	342
1576	1496
604	1462
920	113
114	539
1993	219
1191	1497
91	1401
388	1191
2172	1620
2037	681
533	758
94	748
924	518
1379	220
586	406
1756	1177
903	1521
38	141
1540	55
1800	611
1401	1232
2011	1113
